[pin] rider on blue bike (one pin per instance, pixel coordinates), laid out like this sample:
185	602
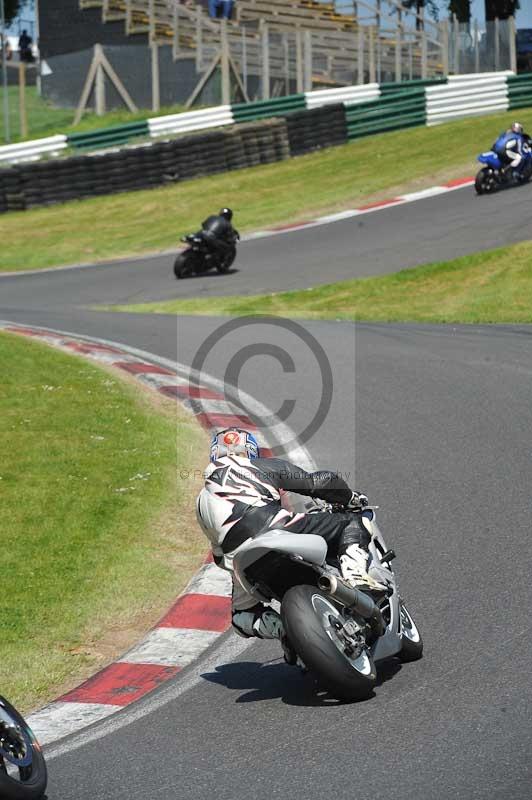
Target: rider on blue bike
511	147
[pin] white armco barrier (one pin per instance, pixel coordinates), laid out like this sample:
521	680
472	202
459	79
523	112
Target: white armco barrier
32	151
191	121
349	95
467	96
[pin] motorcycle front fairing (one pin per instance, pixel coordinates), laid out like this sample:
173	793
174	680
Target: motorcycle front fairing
389	644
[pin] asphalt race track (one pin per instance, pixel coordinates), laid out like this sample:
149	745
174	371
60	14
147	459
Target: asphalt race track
434	424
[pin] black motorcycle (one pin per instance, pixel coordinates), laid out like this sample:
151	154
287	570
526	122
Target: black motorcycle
200	257
22	767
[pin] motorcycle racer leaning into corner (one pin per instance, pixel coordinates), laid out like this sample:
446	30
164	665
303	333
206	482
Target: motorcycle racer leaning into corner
218	231
511	145
242	498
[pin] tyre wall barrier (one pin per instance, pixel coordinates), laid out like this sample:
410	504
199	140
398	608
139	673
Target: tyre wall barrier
48	182
316	128
293	132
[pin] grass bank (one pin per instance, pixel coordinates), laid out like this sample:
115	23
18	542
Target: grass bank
340	177
493	286
45	119
97	533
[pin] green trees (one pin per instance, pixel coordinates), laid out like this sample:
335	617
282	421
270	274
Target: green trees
501	9
12	7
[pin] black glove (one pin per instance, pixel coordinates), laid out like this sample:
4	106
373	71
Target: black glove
358	500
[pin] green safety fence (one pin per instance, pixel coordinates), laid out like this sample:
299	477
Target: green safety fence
260	109
390	112
108	137
519	90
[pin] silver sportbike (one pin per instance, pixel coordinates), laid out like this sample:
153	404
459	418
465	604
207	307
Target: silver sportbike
338	632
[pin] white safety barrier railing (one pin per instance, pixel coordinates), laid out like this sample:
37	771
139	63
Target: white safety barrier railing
467	96
191	121
461	96
346	94
32	151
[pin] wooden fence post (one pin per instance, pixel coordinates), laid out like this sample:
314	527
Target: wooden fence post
155	82
265	61
307	83
360	54
226	75
513	47
22	99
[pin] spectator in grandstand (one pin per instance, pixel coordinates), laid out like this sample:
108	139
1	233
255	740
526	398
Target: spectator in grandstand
227	8
221	8
215	8
24	46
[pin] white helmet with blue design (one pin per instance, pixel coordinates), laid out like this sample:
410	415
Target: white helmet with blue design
234	442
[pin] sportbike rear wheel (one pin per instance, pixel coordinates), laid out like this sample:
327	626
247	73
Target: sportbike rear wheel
485	181
316	629
22	768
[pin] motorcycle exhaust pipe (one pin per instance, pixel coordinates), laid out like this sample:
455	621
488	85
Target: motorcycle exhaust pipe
354	599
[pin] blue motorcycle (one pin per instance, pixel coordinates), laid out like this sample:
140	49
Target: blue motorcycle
494	175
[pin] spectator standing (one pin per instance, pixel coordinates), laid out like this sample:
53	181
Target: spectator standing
228	8
215	8
24	46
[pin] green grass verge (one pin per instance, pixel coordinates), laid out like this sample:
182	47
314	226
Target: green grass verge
95	540
340	177
44	119
493	286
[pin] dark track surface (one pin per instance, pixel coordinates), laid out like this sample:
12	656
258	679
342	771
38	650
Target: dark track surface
436	422
439	228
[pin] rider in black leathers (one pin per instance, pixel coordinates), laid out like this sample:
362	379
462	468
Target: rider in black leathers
218	231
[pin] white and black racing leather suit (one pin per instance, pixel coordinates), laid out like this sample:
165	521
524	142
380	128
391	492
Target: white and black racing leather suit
243	498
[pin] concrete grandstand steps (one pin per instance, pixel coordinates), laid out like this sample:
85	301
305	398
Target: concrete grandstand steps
113	10
332	38
277	13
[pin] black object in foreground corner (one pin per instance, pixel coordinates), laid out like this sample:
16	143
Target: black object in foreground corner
22	767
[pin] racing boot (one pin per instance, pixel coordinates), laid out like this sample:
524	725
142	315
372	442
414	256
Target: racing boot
354	569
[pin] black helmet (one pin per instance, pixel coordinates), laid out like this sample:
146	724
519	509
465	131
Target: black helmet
227	213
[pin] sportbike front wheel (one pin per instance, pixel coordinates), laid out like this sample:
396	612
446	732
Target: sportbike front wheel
411	641
184	264
22	766
328	642
227	262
